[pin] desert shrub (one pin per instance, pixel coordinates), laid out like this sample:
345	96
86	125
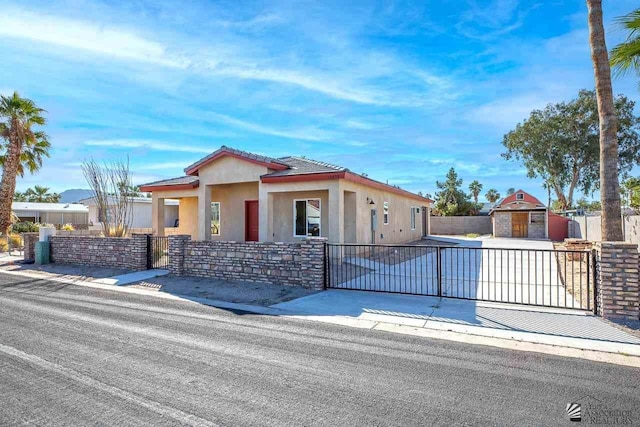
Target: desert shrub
4	246
25	227
67	227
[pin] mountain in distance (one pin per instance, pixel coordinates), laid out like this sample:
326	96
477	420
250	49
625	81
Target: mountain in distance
74	195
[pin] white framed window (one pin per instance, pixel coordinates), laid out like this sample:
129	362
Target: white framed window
306	217
385	213
519	196
215	218
413	216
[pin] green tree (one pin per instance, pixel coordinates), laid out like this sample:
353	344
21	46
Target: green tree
19	197
610	125
625	57
510	191
451	200
475	187
492	195
630	192
39	194
561	144
23	147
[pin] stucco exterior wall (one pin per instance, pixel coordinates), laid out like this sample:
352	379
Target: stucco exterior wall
282	230
398	230
188	216
228	170
232	209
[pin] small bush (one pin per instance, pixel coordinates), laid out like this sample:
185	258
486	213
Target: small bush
25	227
4	247
67	227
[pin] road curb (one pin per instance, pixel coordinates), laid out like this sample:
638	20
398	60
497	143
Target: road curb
449	335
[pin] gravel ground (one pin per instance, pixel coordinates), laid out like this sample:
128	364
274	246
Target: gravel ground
263	294
71	272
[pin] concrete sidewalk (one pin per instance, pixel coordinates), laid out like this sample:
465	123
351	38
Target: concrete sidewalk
557	327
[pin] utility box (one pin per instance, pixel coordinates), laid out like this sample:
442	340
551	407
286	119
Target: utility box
43	252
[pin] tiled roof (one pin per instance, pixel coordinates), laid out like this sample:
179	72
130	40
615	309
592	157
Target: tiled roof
301	166
238	153
173	181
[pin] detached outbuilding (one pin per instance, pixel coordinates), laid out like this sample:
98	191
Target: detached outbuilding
520	215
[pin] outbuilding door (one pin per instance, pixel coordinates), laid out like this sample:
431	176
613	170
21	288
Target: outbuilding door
520	224
251	231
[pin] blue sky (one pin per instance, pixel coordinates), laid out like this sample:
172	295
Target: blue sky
399	90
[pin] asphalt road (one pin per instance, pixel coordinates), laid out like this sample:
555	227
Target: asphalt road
72	355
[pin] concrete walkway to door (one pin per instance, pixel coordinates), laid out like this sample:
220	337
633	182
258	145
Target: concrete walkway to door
551	326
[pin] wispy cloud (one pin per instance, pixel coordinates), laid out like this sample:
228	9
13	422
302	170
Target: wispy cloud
86	36
308	133
124	44
150	145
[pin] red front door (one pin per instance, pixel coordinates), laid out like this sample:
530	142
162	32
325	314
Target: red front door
251	220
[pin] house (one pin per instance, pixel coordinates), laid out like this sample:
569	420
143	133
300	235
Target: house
234	195
52	213
520	215
141	213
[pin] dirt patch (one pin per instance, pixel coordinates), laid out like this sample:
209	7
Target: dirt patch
263	294
66	271
575	274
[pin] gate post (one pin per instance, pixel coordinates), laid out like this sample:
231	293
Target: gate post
439	267
176	253
617	280
141	254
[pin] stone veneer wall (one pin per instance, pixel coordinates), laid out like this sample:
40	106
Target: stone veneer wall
502	224
30	240
115	252
537	228
618	280
293	264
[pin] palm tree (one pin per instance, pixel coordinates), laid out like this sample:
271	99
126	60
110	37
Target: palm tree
626	56
609	185
40	194
20	197
24	148
475	187
492	195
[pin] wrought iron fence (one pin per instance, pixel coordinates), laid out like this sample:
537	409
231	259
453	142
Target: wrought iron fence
552	278
157	252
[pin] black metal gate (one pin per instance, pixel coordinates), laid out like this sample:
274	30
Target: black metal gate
543	277
157	252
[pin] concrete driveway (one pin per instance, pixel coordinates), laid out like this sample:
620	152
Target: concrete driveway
506	270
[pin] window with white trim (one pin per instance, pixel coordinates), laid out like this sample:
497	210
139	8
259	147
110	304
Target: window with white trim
385	213
519	196
215	218
413	217
306	217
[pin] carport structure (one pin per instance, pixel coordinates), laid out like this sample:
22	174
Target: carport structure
513	271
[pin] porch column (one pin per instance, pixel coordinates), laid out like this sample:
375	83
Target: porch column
157	213
265	209
204	212
336	213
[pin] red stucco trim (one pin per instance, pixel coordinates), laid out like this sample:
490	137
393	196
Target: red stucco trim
152	188
194	170
349	176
